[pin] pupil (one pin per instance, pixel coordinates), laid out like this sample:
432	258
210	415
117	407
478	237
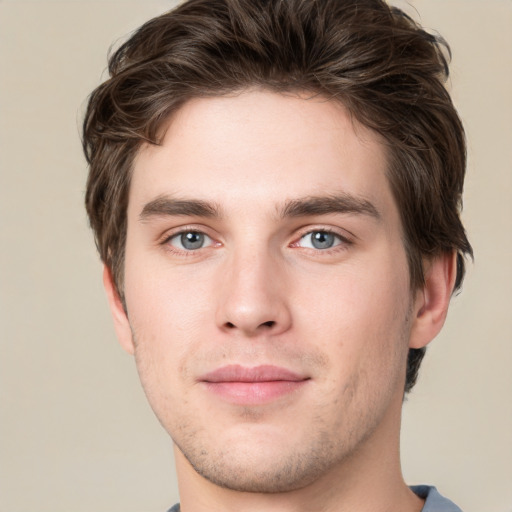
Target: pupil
322	240
192	240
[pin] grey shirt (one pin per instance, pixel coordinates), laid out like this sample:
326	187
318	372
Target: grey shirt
434	502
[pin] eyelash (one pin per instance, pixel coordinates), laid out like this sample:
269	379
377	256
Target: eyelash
186	230
343	241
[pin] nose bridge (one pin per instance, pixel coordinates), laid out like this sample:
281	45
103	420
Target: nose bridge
253	296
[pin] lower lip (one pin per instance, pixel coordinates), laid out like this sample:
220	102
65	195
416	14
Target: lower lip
253	393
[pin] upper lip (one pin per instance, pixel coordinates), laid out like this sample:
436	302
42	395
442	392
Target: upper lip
262	373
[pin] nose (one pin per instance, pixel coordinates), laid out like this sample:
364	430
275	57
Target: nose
253	296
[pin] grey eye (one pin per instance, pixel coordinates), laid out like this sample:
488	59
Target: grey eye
320	240
190	240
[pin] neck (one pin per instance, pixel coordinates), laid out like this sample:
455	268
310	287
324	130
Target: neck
370	480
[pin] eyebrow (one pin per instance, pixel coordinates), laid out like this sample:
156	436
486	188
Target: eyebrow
301	207
324	205
168	206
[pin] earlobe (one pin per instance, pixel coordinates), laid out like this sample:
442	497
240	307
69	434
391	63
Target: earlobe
121	323
433	299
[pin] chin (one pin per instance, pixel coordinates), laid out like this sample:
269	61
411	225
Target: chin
264	467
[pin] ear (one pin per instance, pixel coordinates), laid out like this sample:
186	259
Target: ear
121	323
432	300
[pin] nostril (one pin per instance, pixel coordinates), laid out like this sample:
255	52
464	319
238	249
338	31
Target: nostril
264	325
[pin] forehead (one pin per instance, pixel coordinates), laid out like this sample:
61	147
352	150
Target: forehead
260	146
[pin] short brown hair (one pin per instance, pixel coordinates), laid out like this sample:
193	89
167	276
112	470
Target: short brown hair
373	58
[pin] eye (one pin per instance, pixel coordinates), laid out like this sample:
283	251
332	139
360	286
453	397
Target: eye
320	240
190	240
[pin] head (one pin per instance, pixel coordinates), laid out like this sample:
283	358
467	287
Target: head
380	67
378	63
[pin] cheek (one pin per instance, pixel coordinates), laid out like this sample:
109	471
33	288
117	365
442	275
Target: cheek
167	315
163	300
360	318
358	297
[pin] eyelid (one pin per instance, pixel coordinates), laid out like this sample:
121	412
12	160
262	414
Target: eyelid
345	238
344	234
177	231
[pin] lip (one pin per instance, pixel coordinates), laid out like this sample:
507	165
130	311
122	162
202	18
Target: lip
251	386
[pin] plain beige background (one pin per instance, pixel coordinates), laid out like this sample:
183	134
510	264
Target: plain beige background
75	431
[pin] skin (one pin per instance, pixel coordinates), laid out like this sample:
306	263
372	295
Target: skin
246	170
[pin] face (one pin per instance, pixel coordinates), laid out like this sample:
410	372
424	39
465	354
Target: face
267	288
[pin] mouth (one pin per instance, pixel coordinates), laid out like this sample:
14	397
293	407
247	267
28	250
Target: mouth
251	386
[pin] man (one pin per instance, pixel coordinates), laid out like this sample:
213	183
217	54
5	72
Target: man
275	192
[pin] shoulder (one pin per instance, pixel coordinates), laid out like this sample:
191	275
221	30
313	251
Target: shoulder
434	502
